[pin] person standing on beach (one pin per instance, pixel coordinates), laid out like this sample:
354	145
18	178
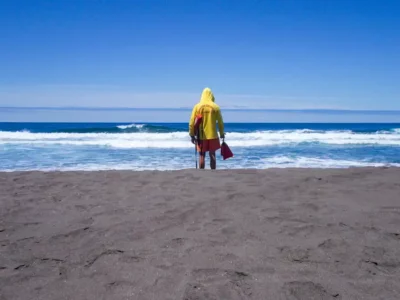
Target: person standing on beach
206	138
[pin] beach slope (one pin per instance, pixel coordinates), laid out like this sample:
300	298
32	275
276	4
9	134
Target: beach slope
231	234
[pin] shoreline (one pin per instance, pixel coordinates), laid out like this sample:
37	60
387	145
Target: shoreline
283	233
271	169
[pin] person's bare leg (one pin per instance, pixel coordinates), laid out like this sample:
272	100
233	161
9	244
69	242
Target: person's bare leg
213	160
202	159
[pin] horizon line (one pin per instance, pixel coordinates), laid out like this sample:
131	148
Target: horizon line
243	109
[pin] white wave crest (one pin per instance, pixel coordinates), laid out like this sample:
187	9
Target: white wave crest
138	126
181	139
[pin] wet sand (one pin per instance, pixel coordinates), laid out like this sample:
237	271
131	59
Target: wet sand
238	234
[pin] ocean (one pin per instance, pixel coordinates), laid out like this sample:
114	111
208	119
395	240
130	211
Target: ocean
167	146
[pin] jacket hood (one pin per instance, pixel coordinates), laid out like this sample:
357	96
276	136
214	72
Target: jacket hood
207	96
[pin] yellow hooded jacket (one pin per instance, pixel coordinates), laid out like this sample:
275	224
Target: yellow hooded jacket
211	114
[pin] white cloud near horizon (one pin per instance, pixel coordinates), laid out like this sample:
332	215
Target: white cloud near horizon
114	97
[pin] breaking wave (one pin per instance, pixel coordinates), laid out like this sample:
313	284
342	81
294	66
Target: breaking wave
150	136
125	128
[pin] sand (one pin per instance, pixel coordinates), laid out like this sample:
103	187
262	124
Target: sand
237	234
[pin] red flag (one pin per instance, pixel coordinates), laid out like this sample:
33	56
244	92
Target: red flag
226	151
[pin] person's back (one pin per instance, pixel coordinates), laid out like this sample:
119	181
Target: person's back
208	140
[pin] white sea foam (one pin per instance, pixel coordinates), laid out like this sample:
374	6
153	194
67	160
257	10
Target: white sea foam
313	162
278	161
180	139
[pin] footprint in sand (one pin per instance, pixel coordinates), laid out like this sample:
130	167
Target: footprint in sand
306	290
377	259
213	284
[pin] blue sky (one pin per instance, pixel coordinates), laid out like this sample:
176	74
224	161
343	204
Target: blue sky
285	54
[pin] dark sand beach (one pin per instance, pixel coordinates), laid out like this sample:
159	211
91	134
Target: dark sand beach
239	234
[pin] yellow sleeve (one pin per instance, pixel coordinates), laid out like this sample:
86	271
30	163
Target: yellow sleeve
191	122
220	123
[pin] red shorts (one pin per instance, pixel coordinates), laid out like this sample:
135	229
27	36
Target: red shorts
209	145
